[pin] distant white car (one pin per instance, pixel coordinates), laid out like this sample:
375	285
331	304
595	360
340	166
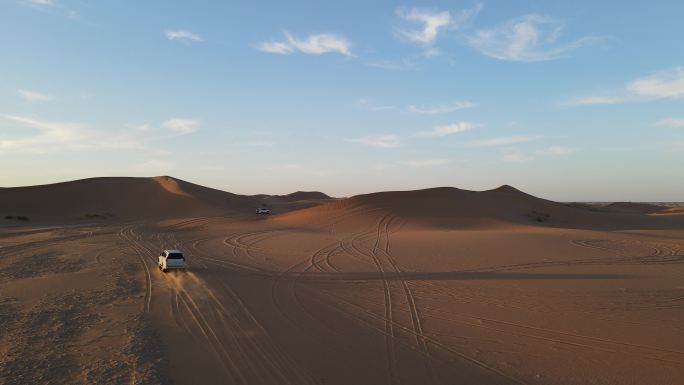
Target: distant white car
171	259
262	210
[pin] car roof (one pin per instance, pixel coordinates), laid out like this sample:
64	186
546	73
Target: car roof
173	251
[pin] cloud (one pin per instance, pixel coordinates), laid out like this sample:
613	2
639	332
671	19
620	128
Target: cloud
449	129
58	131
427	162
256	143
441	109
59	136
379	141
275	47
368	105
33	135
665	84
431	22
597	100
668	84
44	3
33	97
403	65
313	45
52	6
181	126
182	35
528	38
556	151
670	123
516	157
501	141
156	166
301	169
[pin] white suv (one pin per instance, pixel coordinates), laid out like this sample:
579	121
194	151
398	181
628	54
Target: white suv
171	259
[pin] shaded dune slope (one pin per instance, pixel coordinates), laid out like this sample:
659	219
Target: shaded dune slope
305	196
119	198
634	207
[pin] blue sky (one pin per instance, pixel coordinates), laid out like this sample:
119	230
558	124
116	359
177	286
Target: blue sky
564	100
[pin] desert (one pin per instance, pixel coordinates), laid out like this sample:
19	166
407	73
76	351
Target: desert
270	192
442	286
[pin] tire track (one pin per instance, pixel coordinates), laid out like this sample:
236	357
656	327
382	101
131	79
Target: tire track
129	239
410	299
432	341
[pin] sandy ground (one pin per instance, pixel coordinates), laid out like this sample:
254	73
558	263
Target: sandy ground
372	301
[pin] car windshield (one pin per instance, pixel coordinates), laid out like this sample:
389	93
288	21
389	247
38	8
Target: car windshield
175	256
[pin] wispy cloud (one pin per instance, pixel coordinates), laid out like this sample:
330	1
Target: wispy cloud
44	3
501	141
259	143
181	126
556	151
448	129
597	100
368	105
35	135
54	136
275	47
527	38
666	84
516	157
33	97
378	141
53	6
402	65
156	166
314	45
442	108
426	162
670	123
182	35
302	169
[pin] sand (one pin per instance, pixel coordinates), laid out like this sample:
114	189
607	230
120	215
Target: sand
437	286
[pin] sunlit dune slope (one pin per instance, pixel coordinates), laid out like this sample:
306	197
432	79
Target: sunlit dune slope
450	207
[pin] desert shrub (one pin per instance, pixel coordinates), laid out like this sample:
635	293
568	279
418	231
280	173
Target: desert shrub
539	217
17	217
98	216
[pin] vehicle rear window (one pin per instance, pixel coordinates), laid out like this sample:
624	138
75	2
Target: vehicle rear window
175	256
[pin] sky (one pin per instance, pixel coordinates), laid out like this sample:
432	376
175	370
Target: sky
571	101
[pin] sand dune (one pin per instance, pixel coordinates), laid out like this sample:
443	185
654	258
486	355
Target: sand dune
449	207
306	196
120	199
